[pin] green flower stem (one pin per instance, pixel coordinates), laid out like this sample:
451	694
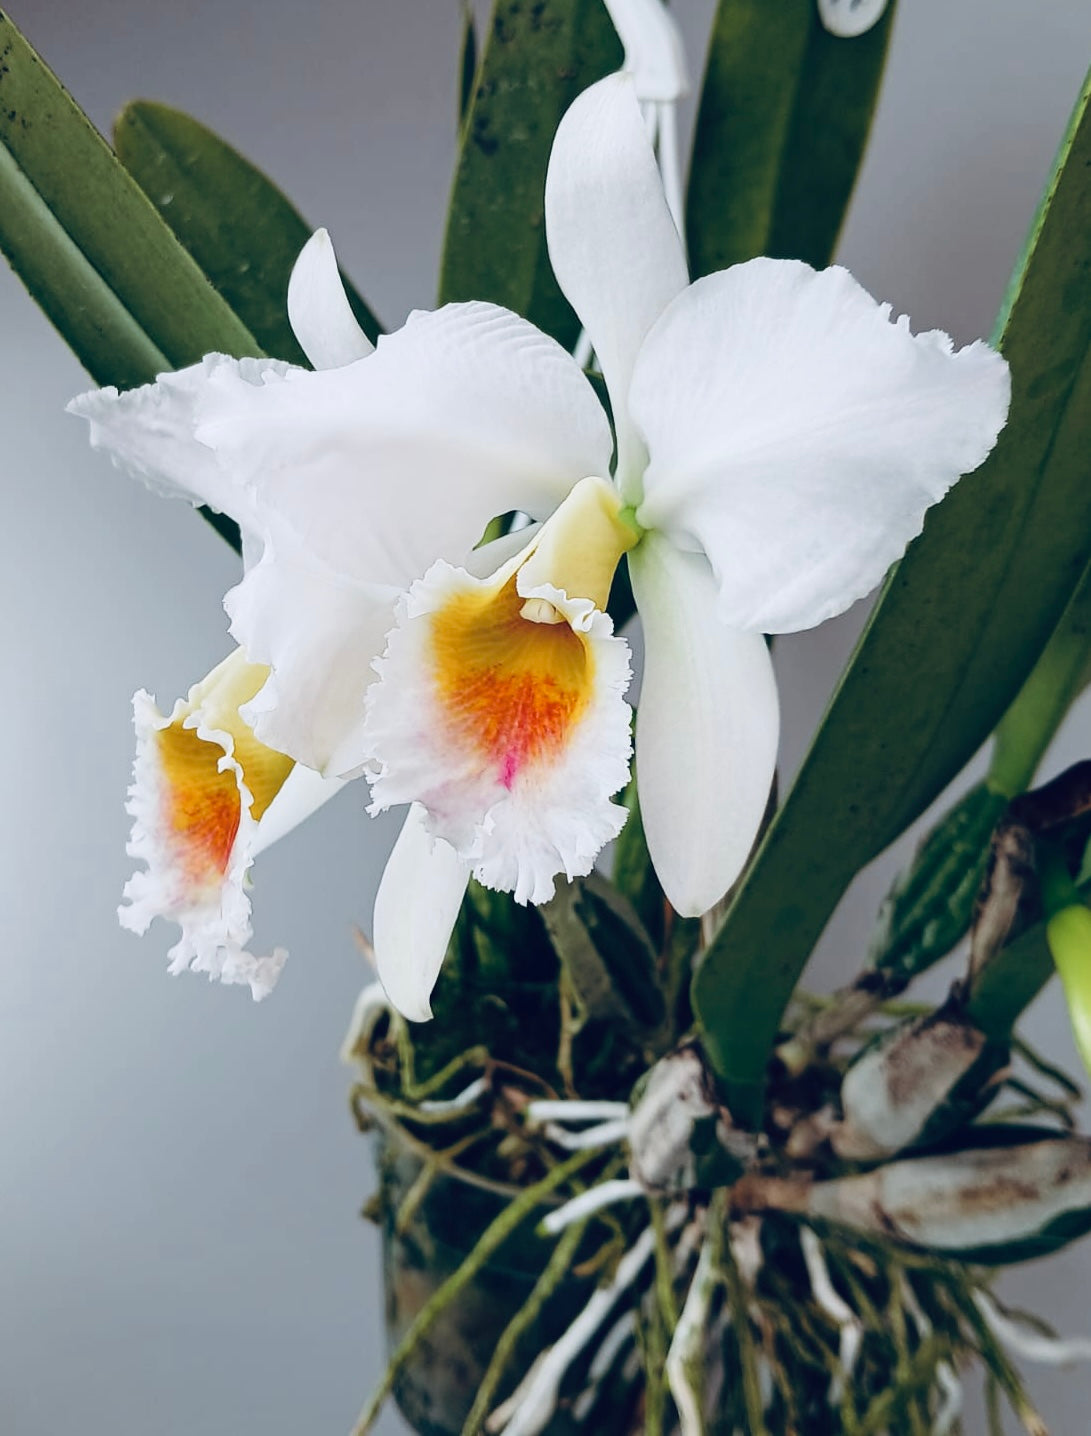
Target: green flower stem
556	1269
1057	679
490	1241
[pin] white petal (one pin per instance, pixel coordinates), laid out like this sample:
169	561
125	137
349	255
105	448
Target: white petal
415	912
706	729
513	734
612	243
303	793
202	789
319	633
797	435
385	464
152	432
655	56
318	308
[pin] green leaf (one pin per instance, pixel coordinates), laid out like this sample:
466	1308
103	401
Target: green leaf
76	177
232	219
467	62
104	335
960	624
784	117
538	57
90	248
930	906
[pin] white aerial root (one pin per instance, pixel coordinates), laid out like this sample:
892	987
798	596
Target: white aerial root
687	1343
371	1005
604	1134
622	1189
503	1413
949	1412
604	1358
836	1308
1028	1343
538	1400
466	1098
946	1377
541	1110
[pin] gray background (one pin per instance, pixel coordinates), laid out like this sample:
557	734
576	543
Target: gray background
179	1179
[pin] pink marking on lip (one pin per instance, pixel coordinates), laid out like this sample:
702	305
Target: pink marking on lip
508	769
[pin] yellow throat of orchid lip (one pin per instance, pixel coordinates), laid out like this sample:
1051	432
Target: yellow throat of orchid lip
578	549
202	806
512	674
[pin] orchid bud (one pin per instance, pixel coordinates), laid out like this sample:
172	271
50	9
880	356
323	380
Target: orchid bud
916	1081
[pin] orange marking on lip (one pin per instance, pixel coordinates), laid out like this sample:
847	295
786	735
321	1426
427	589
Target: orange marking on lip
512	690
203	808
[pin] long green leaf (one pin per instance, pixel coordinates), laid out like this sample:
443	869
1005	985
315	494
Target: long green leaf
960	624
104	335
233	220
78	179
784	117
538	57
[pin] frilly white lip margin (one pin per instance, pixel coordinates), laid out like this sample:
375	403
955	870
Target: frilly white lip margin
214	916
517	832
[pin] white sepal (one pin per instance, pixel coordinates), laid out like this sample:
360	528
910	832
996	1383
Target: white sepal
706	729
303	793
152	432
797	435
415	911
318	308
384	465
612	243
655	56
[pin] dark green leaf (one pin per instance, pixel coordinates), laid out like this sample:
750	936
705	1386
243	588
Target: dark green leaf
930	906
961	623
467	64
231	218
105	337
91	249
784	117
538	57
77	178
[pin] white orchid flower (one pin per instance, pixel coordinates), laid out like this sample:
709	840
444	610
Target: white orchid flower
206	798
778	441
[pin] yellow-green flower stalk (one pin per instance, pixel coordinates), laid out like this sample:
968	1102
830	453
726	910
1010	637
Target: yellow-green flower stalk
1068	933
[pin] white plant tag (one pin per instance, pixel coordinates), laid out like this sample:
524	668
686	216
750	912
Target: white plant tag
849	18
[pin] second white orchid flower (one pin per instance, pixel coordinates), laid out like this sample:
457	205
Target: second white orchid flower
778	441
